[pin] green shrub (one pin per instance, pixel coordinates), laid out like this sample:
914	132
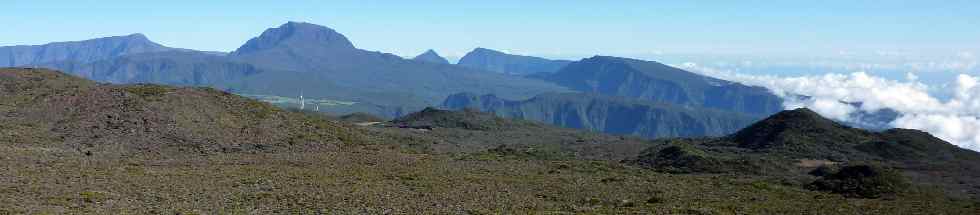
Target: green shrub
824	170
862	181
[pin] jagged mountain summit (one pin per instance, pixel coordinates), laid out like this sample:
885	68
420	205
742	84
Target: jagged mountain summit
496	61
432	57
78	51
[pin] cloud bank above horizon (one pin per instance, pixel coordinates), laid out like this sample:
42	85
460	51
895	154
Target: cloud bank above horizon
955	120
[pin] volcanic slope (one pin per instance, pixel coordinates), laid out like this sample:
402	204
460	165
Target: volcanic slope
72	146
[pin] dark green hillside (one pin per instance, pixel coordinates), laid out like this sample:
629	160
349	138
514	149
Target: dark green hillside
792	143
471	131
360	118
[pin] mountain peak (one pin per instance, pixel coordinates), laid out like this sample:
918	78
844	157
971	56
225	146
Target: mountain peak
802	113
502	62
799	126
481	49
298	35
130	38
138	36
432	57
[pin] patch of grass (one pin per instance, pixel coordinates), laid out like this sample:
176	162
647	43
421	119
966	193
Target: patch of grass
93	197
504	152
684	158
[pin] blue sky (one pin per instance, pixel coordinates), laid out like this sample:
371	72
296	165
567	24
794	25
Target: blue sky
547	28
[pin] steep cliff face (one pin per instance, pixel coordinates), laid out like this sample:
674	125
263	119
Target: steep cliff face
78	51
496	61
173	68
652	81
609	114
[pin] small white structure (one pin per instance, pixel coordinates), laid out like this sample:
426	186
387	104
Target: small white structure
302	102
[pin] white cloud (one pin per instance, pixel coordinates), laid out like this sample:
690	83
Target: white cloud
956	120
959	130
911	77
966	55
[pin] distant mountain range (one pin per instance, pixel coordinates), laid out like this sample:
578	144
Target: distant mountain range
635	97
617	95
289	60
79	51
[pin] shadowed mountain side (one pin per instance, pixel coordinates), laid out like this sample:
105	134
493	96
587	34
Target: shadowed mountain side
182	68
609	114
648	80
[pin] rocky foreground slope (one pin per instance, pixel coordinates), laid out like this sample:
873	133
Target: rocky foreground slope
72	146
42	106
